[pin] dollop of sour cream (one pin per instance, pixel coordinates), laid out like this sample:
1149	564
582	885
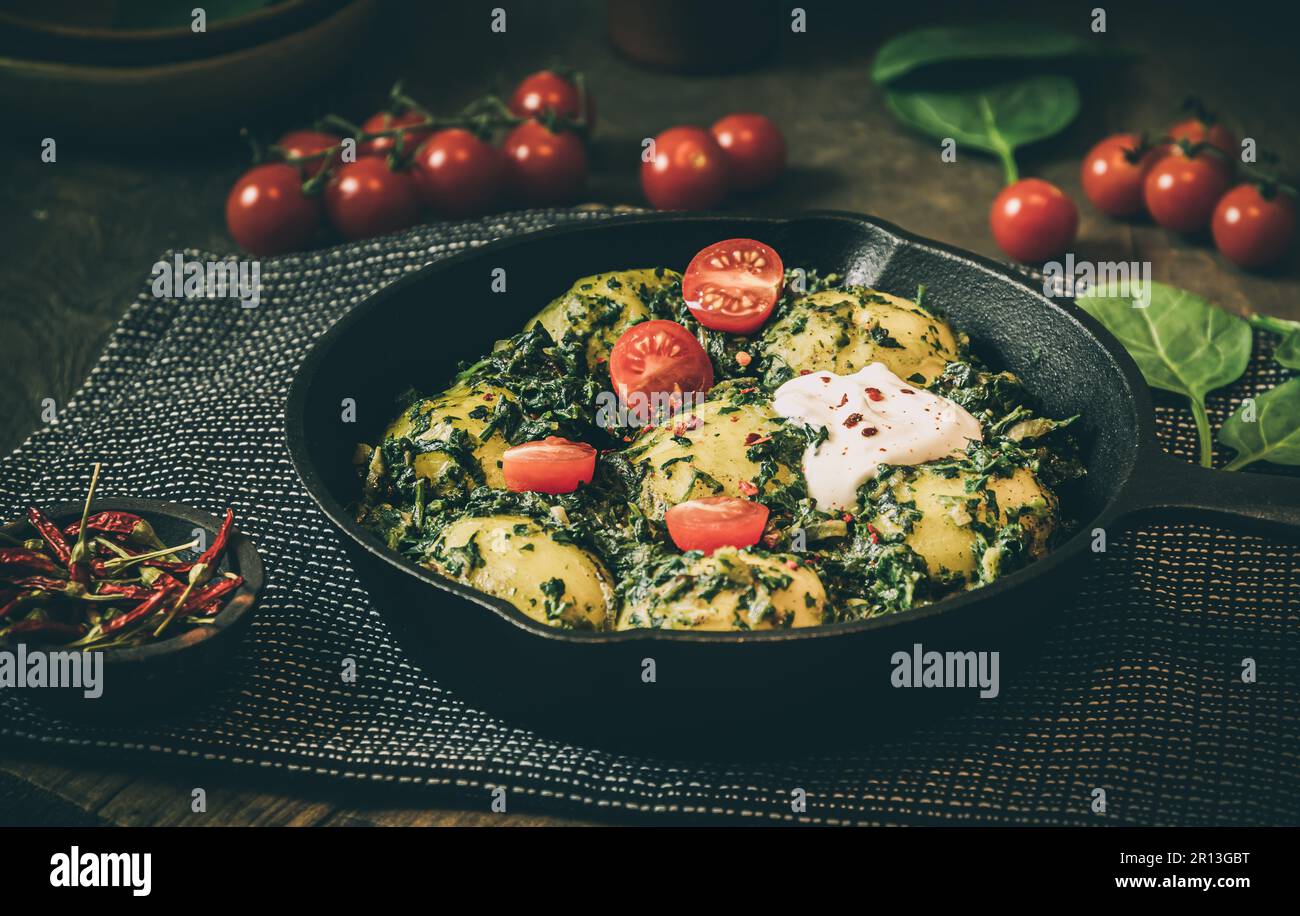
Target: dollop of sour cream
871	418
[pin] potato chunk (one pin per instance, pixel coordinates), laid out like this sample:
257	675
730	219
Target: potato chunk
436	420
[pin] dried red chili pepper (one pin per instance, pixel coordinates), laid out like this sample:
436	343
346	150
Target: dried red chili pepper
34	627
153	603
51	534
124	590
212	593
126	524
16	561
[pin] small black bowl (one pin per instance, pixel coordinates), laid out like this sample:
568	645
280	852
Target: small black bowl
173	672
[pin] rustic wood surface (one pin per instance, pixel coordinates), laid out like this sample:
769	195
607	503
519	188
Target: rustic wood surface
79	235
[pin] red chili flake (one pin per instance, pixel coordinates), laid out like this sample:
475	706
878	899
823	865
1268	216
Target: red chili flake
791	564
826	379
600	359
848	517
869	431
875	394
749	390
735	419
907	391
748	488
627	438
695	422
487	395
875	535
756	439
844	400
852	420
805	372
744	358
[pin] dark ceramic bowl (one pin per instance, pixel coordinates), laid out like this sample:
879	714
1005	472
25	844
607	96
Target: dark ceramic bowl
174	672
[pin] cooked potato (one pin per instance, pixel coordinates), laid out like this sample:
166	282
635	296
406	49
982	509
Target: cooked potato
514	558
844	330
466	408
703	454
730	590
601	307
956	532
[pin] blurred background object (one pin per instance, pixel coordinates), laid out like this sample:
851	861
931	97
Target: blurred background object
694	36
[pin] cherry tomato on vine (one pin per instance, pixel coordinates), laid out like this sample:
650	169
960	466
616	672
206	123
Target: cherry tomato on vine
733	285
1194	130
267	213
307	142
659	358
755	149
1113	172
547	90
366	198
1253	230
550	465
384	120
457	174
1032	220
1181	191
716	521
544	166
689	170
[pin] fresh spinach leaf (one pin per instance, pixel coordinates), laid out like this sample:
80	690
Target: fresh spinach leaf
1287	351
996	119
991	41
1273	435
1181	343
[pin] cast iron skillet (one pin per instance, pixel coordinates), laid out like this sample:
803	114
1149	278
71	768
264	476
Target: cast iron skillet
689	692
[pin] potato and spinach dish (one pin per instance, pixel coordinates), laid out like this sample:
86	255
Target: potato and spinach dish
733	448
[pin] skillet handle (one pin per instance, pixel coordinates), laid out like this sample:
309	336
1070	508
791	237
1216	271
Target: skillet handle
1168	485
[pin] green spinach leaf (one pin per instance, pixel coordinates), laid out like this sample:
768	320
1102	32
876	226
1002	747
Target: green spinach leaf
991	41
1273	435
1181	343
995	119
1287	351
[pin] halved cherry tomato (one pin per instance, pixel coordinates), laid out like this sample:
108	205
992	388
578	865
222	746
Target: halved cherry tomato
1032	220
307	142
386	121
1181	191
545	166
267	213
1253	230
689	171
733	285
659	359
458	174
1113	172
716	521
550	465
366	198
547	90
755	149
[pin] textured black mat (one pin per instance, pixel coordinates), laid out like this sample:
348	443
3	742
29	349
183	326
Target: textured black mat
1138	690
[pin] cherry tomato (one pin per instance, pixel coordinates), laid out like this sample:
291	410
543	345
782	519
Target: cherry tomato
1180	190
545	167
383	120
659	359
267	213
716	521
688	172
1032	220
550	465
545	91
457	174
755	149
1194	130
733	285
307	142
1253	230
366	198
1113	173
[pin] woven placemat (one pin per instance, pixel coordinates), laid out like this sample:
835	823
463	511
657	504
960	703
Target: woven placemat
1138	689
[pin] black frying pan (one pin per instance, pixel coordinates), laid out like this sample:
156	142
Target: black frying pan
829	684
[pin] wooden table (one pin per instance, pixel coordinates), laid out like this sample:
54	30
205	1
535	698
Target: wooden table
79	236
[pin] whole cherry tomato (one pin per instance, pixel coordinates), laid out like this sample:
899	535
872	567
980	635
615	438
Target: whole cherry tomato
550	465
689	170
1252	229
458	174
547	90
1181	191
1113	172
384	121
366	198
307	142
267	213
1032	220
1196	130
755	149
545	167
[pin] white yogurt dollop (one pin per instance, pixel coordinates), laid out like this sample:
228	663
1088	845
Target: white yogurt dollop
871	418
